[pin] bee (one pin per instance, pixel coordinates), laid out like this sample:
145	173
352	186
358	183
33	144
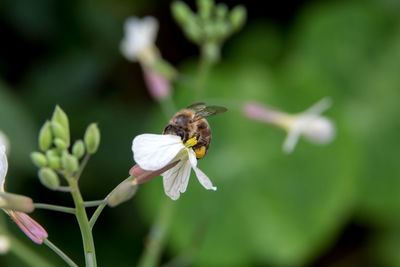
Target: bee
190	122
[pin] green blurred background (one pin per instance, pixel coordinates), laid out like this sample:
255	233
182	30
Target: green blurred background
337	205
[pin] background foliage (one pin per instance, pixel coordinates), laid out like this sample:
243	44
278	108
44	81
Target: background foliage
338	204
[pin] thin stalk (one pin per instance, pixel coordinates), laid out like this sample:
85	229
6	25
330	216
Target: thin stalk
100	208
59	252
81	216
26	254
93	203
82	166
54	207
156	239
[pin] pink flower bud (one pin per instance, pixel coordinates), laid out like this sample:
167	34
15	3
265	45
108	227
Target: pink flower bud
158	86
261	113
141	176
29	226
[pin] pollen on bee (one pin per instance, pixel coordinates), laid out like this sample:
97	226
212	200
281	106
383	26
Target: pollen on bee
200	152
191	142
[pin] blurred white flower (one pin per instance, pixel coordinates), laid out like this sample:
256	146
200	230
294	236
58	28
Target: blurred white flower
4	141
153	152
138	43
309	124
4	244
29	226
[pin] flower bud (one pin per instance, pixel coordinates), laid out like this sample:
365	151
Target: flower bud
205	8
123	192
16	202
78	149
53	160
39	159
181	12
221	11
45	136
237	17
69	162
60	144
92	138
49	178
193	30
60	117
29	226
60	132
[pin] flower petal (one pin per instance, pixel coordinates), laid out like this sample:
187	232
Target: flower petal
154	151
291	140
201	176
176	179
3	166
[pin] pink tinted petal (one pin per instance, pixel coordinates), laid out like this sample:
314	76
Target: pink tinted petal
143	176
29	226
261	113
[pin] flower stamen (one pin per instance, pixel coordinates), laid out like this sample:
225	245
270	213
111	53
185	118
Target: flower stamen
191	142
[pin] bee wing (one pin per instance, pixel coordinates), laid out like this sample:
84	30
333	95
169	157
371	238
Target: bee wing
197	106
208	112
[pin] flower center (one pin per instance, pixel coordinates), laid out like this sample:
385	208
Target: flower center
191	142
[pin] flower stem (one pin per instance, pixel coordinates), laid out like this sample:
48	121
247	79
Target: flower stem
157	236
54	207
202	73
82	166
100	208
93	203
59	252
81	216
26	254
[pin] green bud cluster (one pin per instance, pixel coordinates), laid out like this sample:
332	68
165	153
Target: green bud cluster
211	26
57	156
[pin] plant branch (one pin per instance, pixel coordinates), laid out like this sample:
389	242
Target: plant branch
93	203
59	252
54	207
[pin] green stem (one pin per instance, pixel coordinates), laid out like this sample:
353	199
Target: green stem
26	254
54	207
59	252
202	73
93	203
81	216
100	208
82	166
156	240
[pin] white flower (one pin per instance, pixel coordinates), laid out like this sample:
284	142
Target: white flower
153	152
310	124
4	244
4	141
139	39
3	166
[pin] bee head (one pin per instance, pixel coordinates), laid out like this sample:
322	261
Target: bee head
174	131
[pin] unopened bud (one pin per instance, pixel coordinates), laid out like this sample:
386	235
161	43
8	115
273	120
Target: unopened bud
60	144
29	226
78	149
45	136
237	17
61	117
181	12
69	162
221	11
53	160
38	159
193	30
123	192
49	178
205	8
60	132
92	138
16	202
